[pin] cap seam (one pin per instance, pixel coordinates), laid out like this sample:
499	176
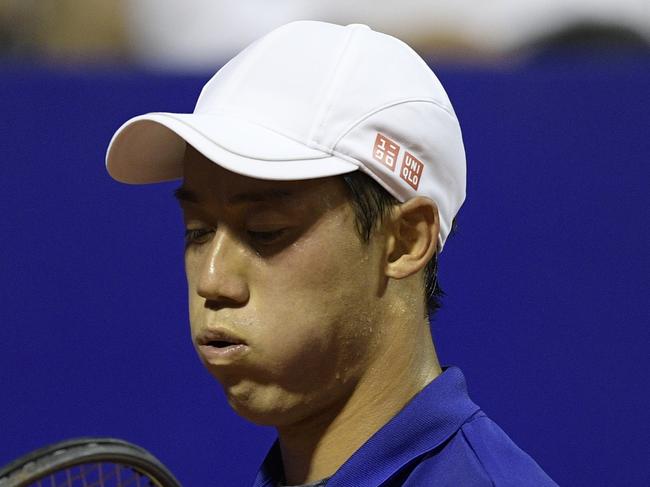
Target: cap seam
324	155
289	134
326	106
390	105
233	83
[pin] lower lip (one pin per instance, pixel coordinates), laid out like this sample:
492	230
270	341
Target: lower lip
223	354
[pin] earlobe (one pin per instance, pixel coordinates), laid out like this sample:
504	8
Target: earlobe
413	237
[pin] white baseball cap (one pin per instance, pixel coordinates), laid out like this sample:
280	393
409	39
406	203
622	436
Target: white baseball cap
308	100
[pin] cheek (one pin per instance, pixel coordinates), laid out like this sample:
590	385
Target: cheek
198	314
324	267
193	299
317	305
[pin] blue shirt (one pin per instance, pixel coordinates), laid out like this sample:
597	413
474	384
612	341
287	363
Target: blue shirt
439	439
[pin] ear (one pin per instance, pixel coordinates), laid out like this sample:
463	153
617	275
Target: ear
413	237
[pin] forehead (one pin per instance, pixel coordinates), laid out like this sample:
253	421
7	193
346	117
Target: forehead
206	182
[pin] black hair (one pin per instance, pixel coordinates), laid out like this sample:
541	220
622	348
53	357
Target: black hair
372	203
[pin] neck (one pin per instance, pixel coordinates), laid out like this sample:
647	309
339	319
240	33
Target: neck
317	446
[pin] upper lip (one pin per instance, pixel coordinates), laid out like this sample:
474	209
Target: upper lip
213	335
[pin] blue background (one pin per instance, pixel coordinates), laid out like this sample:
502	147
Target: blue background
547	278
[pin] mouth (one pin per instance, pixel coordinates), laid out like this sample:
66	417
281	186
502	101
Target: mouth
222	343
220	346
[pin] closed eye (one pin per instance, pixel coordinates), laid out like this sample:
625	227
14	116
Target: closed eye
266	237
197	236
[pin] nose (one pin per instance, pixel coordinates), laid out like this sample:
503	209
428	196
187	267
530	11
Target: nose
222	273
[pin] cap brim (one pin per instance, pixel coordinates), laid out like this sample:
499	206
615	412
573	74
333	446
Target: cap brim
150	148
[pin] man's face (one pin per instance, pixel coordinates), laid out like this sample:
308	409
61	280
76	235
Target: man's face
282	292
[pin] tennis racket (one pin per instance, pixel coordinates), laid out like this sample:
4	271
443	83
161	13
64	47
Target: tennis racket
88	462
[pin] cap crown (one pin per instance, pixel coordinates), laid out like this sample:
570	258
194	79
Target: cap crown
312	80
349	91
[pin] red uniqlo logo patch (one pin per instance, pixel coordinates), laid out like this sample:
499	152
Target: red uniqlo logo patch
411	171
385	151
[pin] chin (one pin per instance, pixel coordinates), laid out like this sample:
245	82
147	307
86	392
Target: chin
257	416
254	402
266	404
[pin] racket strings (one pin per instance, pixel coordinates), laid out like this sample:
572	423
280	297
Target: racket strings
103	474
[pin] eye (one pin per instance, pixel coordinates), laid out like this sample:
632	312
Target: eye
266	237
197	235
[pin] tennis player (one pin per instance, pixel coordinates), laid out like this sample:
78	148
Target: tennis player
322	170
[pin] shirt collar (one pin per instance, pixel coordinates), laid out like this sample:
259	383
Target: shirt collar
431	417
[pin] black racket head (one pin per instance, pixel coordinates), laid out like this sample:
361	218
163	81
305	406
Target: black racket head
86	462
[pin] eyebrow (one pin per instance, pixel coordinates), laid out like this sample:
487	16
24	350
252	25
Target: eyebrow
184	195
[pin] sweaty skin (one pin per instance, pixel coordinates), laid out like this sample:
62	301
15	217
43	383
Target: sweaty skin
335	342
